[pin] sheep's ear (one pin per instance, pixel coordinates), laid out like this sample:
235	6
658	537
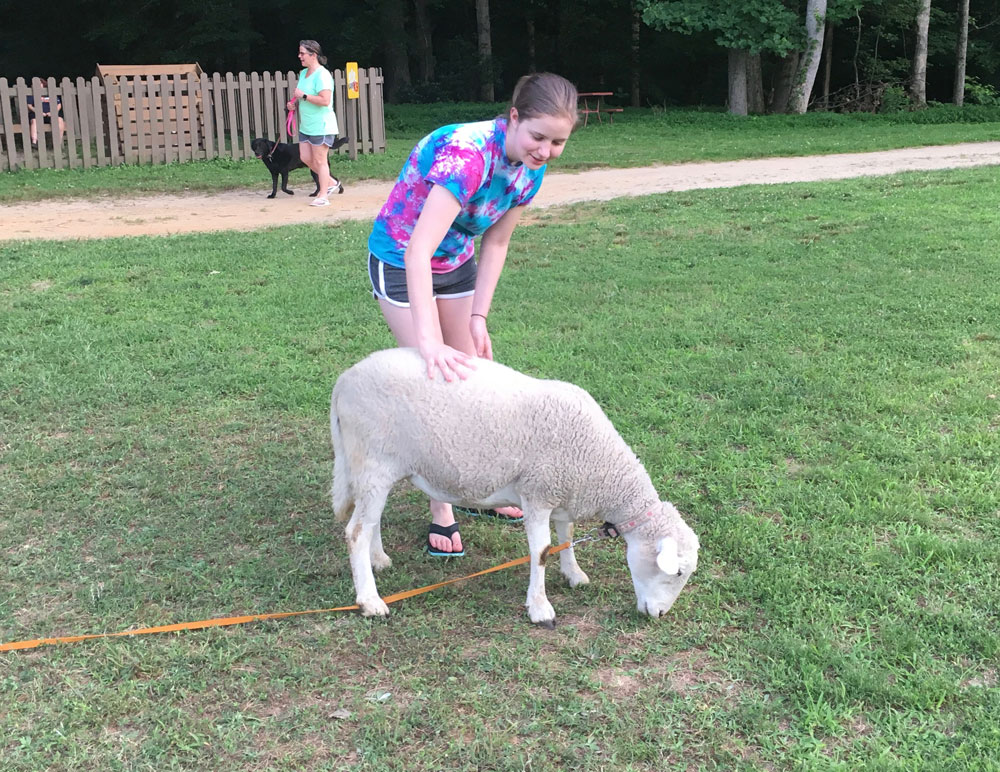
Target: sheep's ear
667	559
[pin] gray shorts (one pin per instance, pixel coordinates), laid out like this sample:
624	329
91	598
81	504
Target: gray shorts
318	139
389	282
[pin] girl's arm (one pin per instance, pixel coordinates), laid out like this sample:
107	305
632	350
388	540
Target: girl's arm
492	255
438	213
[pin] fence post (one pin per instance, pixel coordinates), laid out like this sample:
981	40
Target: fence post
71	117
244	125
219	109
8	161
231	99
339	97
377	111
29	162
114	122
290	82
123	120
52	93
97	103
195	118
83	102
255	126
270	109
203	103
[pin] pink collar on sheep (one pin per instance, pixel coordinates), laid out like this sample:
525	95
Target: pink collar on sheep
610	530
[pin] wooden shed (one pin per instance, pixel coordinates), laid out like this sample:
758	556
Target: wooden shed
156	106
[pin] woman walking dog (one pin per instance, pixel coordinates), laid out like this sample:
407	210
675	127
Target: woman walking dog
313	98
460	182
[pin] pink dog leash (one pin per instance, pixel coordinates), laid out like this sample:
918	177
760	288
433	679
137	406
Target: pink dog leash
290	125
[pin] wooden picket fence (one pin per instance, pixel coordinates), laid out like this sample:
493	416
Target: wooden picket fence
166	119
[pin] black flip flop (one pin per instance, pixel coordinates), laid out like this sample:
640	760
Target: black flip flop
442	530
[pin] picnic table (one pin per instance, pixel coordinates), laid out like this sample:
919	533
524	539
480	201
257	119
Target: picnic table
593	104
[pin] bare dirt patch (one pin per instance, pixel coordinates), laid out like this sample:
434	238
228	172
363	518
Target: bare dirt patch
107	217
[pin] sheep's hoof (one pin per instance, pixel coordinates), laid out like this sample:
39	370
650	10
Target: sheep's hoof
374	608
542	613
547	624
578	579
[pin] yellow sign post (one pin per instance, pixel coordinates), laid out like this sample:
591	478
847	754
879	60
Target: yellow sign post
353	87
353	96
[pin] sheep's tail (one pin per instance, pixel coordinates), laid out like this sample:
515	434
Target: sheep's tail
341	493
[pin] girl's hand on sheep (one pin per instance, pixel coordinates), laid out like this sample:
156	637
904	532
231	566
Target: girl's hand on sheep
481	337
450	361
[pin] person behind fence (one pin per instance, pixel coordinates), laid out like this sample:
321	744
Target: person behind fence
46	118
460	182
313	98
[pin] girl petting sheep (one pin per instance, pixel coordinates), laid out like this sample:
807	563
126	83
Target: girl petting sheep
462	181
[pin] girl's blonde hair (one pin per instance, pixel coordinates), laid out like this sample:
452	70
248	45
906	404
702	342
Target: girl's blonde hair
544	93
313	47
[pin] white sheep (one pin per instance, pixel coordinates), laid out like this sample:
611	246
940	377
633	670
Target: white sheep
497	438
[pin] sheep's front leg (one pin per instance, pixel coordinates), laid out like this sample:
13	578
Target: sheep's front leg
360	532
567	559
536	527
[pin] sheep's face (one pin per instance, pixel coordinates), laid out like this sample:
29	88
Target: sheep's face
660	568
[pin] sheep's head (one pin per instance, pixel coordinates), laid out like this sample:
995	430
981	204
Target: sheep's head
661	564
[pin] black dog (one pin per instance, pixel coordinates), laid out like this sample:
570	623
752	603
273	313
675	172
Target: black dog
281	158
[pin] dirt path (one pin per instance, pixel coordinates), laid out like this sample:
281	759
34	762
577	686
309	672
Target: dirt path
106	217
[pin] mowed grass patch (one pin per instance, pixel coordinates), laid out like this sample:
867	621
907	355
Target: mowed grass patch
807	371
638	137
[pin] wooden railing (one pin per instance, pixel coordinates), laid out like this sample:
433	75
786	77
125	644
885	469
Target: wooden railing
166	119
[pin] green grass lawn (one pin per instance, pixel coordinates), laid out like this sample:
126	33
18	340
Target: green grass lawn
638	137
809	372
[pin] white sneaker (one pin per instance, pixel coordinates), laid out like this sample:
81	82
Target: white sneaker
319	202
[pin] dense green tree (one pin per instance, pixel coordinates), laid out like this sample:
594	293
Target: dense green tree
743	29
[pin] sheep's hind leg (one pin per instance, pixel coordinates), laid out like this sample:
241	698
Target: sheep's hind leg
536	526
361	531
380	560
567	559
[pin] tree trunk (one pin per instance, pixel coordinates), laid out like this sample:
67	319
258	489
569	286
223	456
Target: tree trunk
805	76
424	42
636	61
397	60
755	86
737	81
783	82
918	70
827	63
961	48
486	92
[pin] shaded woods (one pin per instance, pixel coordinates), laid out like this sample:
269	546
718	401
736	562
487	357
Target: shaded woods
860	54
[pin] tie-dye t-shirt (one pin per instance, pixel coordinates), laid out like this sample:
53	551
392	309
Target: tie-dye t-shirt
470	160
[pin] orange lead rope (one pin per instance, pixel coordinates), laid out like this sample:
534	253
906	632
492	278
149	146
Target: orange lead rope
227	621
